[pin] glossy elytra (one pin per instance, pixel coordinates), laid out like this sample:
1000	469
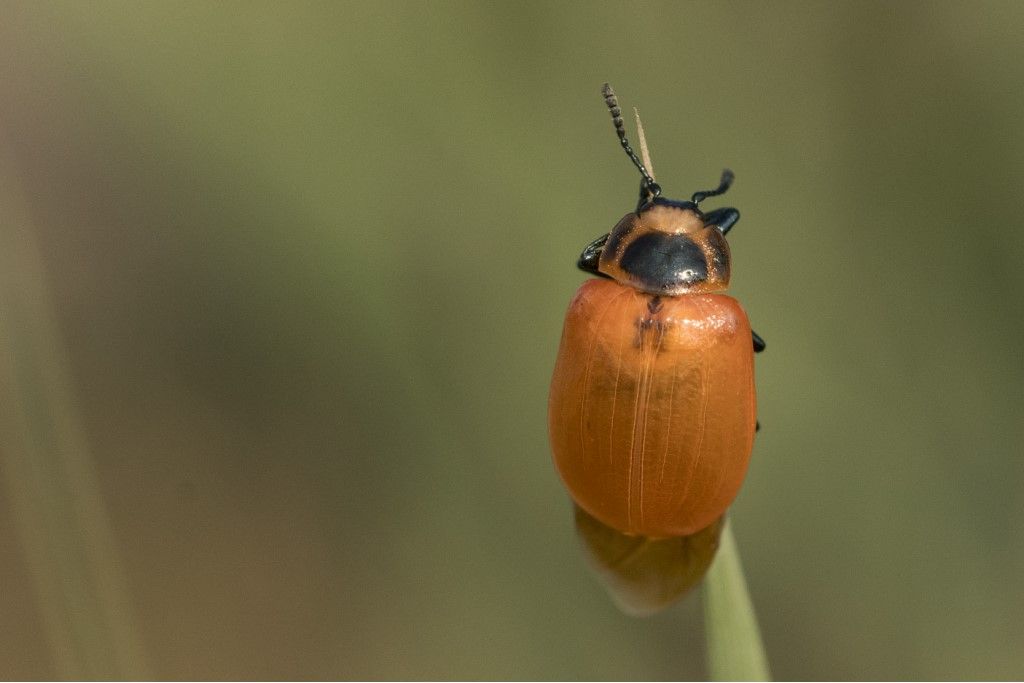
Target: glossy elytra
652	408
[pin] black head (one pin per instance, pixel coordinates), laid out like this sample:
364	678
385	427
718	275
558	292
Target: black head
667	246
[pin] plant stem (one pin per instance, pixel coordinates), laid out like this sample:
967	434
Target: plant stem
645	153
734	648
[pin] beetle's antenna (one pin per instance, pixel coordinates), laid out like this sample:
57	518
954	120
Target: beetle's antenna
648	187
723	185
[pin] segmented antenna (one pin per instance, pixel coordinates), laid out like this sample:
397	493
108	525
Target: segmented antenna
648	188
723	185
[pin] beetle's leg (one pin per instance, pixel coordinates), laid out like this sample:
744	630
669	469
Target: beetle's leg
758	342
758	348
724	218
591	256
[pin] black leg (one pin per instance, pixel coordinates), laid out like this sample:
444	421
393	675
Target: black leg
758	342
724	218
758	348
591	256
723	185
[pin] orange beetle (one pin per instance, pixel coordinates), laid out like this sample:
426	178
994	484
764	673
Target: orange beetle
652	409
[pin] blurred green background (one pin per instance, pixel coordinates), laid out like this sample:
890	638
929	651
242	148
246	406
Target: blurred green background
283	286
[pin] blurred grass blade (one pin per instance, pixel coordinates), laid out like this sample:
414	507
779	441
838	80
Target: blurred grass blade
734	648
50	482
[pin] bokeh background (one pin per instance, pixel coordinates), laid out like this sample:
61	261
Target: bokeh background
283	285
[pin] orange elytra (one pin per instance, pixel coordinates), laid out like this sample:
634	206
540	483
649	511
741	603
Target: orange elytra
652	408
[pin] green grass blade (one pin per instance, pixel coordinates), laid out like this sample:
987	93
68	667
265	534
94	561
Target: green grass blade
734	648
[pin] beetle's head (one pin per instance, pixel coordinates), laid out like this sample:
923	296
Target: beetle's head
667	248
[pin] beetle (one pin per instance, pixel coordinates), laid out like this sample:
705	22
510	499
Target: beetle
651	413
